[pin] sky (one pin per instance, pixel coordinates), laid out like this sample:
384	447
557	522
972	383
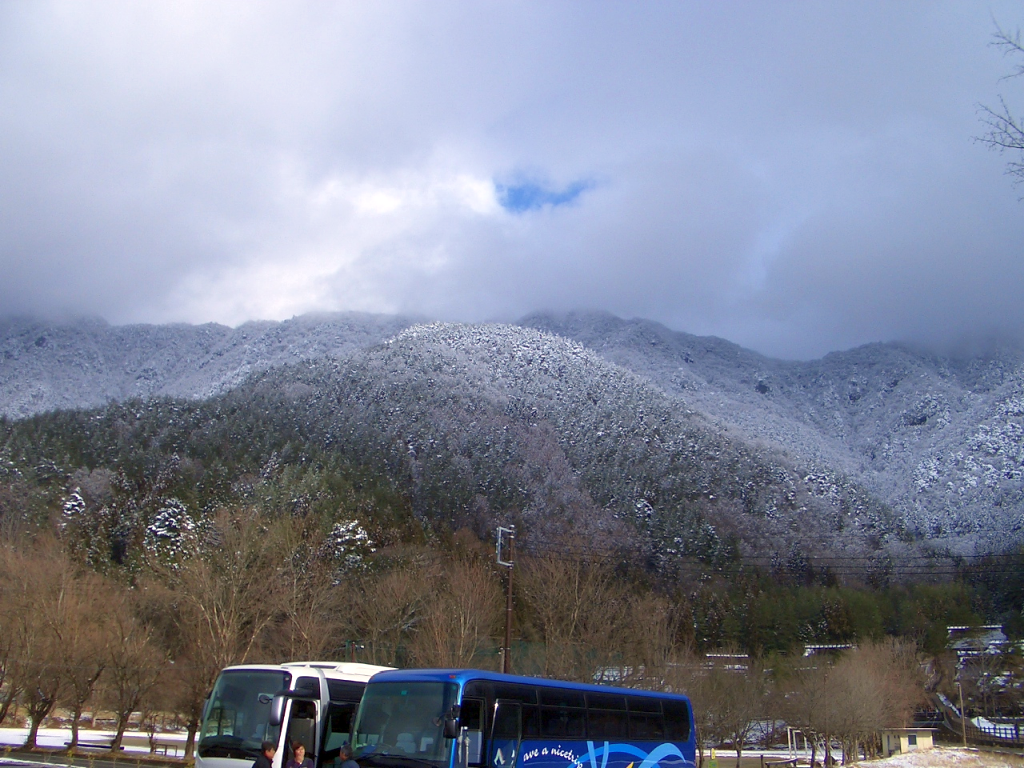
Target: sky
796	177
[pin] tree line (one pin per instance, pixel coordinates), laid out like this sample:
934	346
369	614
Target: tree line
253	587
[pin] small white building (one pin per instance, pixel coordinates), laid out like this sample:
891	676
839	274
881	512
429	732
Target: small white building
900	741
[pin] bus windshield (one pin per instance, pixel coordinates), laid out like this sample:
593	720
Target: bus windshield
235	721
401	724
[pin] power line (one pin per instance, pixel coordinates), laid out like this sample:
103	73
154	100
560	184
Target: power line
846	565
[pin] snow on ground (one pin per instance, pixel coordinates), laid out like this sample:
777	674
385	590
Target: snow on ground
135	742
948	757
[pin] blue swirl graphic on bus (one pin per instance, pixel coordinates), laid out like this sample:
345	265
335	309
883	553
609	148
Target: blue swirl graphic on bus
648	759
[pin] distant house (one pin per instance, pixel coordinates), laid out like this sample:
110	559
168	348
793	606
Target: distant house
900	741
969	642
827	648
988	668
735	662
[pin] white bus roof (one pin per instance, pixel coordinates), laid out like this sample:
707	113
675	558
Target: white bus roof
341	670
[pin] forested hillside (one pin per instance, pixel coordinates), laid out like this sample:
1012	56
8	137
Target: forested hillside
937	440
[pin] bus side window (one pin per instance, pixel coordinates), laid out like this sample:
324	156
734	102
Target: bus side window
505	732
645	719
607	724
562	722
677	720
471	723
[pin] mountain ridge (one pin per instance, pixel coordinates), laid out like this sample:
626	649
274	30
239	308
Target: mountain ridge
938	439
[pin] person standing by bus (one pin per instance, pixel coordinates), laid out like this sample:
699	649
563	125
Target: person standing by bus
299	760
345	757
266	759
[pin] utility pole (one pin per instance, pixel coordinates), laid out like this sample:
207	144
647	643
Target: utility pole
963	717
506	557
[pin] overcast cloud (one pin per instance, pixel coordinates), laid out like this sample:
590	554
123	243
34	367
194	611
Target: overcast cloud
796	177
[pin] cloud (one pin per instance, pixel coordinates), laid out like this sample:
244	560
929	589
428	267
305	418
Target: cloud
797	178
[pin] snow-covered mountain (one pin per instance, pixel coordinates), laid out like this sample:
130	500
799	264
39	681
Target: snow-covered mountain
478	421
938	441
84	364
939	438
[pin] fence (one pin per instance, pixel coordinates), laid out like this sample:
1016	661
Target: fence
993	734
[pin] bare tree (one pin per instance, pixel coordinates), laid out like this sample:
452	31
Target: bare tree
1005	131
869	688
459	616
902	679
878	685
805	700
857	705
312	609
13	603
580	611
218	602
742	703
36	589
80	629
387	608
648	639
728	698
135	663
230	591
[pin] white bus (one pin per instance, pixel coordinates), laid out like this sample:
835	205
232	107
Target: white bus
316	701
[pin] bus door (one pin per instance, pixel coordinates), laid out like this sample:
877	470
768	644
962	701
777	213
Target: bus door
506	731
471	732
303	719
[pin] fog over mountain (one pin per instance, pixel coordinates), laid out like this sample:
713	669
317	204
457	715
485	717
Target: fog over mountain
596	421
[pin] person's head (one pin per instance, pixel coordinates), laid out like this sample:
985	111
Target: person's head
300	751
268	748
345	753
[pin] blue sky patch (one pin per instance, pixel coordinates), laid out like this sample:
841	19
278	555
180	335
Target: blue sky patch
532	196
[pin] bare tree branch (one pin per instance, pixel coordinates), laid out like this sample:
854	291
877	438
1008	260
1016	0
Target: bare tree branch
1005	131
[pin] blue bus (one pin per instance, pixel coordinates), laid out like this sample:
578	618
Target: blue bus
468	718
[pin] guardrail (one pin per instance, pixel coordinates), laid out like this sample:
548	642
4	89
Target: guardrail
1007	735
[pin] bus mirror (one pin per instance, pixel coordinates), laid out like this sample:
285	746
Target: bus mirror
451	723
280	698
276	711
